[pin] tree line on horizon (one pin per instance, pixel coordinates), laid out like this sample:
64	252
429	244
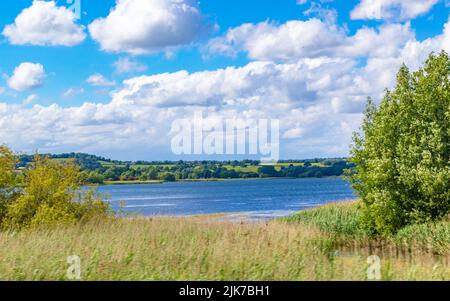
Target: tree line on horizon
97	170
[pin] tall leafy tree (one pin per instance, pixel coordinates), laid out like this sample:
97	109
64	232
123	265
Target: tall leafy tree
402	154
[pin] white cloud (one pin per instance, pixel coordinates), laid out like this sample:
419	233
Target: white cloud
317	95
2	90
146	26
296	132
268	41
312	38
98	80
256	84
126	65
45	24
27	76
71	92
391	9
140	114
386	41
30	99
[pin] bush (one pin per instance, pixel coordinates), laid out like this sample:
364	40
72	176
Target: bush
51	195
9	180
168	177
402	158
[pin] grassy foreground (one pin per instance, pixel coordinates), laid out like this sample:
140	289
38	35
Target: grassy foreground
318	244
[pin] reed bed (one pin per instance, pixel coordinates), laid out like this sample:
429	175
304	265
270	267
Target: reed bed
202	248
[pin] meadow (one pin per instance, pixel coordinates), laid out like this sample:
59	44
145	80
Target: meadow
325	243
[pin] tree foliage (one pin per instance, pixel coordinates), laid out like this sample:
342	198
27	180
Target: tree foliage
402	171
9	179
51	193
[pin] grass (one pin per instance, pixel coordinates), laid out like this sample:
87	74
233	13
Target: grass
306	247
338	218
343	221
169	166
248	168
110	164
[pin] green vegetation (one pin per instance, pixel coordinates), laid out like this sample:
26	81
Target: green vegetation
401	170
9	180
339	219
99	170
46	193
344	221
402	158
205	248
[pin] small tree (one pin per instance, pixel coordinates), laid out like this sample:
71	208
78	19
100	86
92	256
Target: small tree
51	195
9	189
267	171
402	157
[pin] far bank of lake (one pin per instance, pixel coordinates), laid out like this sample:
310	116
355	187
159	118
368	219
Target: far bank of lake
255	198
139	182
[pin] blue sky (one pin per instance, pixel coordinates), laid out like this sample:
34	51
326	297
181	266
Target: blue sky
318	39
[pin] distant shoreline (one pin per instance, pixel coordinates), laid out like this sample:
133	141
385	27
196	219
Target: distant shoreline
137	182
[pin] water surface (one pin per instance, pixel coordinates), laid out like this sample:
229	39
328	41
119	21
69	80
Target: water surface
263	198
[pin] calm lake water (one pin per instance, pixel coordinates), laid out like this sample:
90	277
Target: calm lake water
254	199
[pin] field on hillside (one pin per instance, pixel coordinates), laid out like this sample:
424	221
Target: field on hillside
319	244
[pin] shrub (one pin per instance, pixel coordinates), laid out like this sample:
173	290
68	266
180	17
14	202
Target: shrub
8	180
52	194
168	177
402	158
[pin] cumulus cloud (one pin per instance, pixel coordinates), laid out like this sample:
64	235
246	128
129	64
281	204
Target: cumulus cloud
98	80
305	39
27	76
143	109
317	94
269	41
256	85
45	24
127	65
146	26
391	9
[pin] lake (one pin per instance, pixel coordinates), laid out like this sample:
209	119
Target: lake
255	199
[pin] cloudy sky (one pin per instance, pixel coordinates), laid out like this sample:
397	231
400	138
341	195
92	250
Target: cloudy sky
111	79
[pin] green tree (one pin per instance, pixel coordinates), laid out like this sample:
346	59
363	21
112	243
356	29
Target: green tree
167	177
93	177
402	171
51	195
9	179
267	171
